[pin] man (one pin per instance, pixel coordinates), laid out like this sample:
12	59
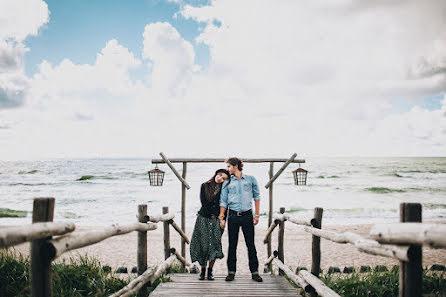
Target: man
237	195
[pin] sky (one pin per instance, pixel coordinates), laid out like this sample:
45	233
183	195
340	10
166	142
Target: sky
130	79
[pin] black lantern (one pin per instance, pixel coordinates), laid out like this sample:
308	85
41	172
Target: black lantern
300	177
156	176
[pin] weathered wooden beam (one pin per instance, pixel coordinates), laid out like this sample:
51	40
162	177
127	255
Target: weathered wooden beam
317	284
179	257
161	268
135	285
270	259
16	235
160	218
183	213
281	239
402	253
411	273
178	229
77	240
270	230
41	278
175	171
304	222
222	160
284	166
270	211
296	278
433	235
166	234
141	257
316	245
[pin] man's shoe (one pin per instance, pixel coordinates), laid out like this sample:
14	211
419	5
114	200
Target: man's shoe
230	277
257	278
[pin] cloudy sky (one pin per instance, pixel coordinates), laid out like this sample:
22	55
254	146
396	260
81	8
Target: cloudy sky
216	78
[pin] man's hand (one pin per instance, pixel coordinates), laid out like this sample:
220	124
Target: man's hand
222	223
255	220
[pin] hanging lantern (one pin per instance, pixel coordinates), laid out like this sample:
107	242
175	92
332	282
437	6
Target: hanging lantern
300	177
156	176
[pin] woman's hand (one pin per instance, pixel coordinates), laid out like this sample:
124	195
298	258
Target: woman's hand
222	223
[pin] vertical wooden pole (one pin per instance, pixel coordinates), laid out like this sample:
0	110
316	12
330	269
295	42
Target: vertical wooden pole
142	248
166	235
411	273
270	211
281	238
183	212
40	269
316	245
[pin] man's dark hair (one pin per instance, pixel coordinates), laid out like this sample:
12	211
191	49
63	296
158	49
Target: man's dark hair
235	162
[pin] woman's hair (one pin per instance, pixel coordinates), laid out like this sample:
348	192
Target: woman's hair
210	186
235	162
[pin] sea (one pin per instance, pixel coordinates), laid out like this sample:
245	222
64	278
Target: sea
94	192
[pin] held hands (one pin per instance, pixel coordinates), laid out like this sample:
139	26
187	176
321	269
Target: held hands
222	223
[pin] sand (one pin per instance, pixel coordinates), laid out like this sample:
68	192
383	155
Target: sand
120	251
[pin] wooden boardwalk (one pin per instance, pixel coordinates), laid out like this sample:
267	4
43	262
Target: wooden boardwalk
189	285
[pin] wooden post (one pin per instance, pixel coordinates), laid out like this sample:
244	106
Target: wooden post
270	211
316	245
411	273
142	248
281	237
183	211
166	235
40	269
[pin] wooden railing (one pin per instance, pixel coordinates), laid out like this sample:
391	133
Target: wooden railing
401	241
44	248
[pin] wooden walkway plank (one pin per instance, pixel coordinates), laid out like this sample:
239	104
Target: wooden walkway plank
189	285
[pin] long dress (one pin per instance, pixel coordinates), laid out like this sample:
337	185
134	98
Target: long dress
205	244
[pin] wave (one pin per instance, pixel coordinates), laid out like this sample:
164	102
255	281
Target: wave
384	190
12	213
28	172
29	184
434	206
331	176
88	177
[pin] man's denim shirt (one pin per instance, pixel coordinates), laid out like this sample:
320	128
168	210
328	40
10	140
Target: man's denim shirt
238	194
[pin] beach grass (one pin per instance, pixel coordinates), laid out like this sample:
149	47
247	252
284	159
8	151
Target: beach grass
381	283
80	276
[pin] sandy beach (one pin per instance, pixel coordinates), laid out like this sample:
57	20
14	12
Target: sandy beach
120	251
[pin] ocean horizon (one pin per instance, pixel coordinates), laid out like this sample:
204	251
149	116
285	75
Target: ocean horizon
99	191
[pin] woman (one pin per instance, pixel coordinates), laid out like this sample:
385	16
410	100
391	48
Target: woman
206	239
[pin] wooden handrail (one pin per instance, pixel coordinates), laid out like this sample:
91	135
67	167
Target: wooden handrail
368	246
178	229
433	235
75	240
15	235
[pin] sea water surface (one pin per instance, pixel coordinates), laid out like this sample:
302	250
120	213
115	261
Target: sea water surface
102	191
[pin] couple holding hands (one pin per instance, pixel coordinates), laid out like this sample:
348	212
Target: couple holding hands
226	199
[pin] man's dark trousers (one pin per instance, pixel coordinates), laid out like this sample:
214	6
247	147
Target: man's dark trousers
234	223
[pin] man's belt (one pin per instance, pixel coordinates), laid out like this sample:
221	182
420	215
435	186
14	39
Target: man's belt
240	213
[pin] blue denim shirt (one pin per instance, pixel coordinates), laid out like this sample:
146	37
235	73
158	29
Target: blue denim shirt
239	193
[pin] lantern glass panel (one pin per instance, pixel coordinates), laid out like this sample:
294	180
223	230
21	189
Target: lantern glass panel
156	177
300	177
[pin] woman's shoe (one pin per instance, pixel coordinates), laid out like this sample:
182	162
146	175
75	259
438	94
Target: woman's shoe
202	274
210	276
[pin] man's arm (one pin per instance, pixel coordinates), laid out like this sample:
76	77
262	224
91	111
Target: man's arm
256	197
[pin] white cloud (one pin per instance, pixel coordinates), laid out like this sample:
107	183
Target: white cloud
172	58
314	77
18	20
